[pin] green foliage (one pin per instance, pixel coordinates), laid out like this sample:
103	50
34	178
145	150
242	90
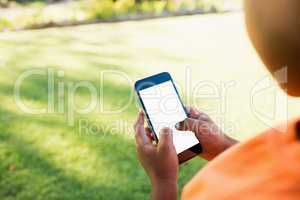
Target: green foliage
171	6
154	7
147	7
160	6
122	7
5	24
102	9
108	8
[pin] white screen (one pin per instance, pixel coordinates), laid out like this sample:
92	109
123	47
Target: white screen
165	110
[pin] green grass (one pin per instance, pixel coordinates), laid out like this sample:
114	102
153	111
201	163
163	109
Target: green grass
42	157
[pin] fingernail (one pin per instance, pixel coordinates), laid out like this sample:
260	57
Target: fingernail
165	130
141	112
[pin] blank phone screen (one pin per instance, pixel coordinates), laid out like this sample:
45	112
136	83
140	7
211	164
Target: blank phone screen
164	109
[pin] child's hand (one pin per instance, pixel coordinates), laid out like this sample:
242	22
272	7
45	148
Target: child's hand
211	138
159	161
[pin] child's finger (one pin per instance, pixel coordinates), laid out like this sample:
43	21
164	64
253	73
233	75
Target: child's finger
140	133
150	134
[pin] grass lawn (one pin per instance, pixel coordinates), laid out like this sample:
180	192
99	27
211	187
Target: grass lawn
44	156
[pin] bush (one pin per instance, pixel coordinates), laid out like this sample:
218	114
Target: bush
147	7
101	9
5	24
104	9
172	6
122	7
159	6
152	7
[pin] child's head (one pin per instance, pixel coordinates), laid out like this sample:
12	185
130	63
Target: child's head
274	29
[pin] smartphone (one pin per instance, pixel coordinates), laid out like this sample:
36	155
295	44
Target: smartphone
163	107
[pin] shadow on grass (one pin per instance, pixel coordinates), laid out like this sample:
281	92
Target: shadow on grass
31	176
27	172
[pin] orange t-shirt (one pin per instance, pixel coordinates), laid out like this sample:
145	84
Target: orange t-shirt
266	167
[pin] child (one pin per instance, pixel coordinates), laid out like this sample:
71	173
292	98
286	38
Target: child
265	167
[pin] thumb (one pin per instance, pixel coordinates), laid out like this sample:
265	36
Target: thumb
165	138
189	124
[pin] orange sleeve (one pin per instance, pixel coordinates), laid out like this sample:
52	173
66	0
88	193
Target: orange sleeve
266	167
